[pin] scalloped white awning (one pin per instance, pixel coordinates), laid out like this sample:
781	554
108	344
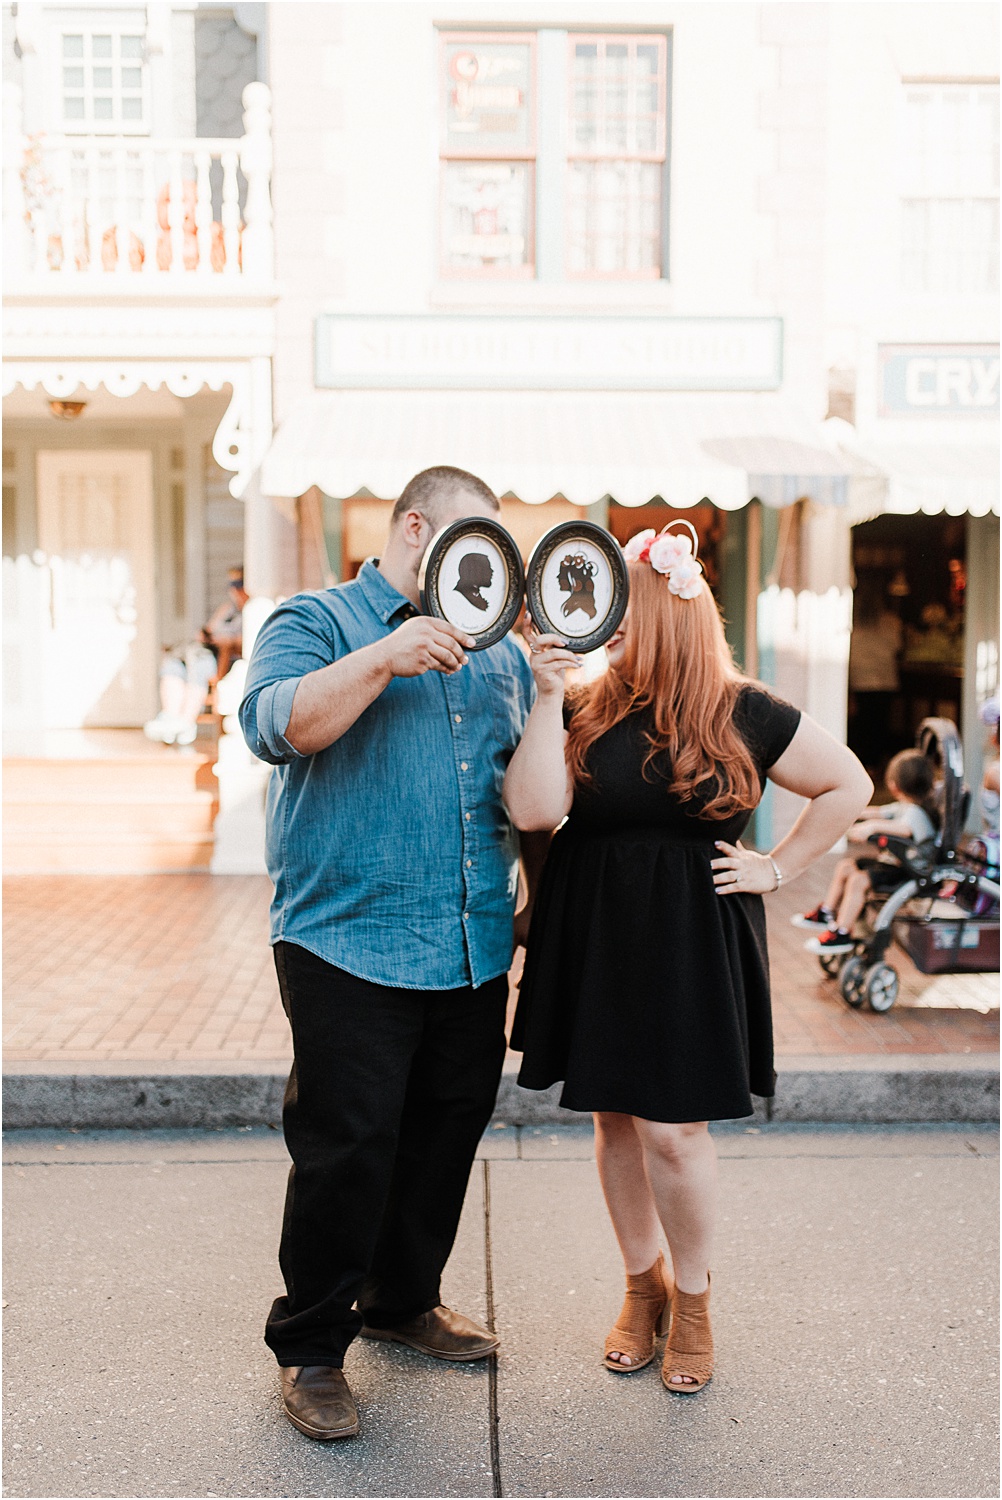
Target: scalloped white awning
538	444
958	478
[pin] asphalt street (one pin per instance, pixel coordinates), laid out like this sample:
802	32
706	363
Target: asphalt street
855	1302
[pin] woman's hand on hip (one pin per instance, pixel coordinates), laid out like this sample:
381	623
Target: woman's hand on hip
742	870
549	659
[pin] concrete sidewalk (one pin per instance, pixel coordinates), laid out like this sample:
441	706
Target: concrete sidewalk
151	1000
855	1287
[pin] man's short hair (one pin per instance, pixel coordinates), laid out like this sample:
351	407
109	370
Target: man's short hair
434	492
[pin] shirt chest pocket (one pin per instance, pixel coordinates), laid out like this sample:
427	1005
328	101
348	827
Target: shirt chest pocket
504	694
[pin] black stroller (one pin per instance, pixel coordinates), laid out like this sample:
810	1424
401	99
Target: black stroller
946	869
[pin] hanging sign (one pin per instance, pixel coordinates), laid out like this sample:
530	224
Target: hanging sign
577	585
472	576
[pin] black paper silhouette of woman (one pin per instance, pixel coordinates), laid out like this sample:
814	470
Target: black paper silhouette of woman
576	578
475	573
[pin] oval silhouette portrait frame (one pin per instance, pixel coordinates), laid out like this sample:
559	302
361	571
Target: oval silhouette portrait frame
433	585
563	537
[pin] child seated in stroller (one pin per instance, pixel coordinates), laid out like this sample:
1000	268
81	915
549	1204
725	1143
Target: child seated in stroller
911	816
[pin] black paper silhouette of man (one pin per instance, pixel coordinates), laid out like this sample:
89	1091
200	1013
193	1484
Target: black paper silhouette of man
576	578
475	573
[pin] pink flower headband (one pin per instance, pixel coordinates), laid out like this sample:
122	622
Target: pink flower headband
671	555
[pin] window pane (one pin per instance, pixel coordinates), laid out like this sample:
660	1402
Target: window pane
131	46
102	78
100	46
615	211
949	186
103	109
486	215
73	46
488	97
617	98
73	78
132	78
73	109
132	109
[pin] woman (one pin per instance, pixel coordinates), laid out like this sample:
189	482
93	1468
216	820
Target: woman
646	983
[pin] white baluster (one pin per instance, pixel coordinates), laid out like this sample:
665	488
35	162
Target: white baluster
256	161
92	183
150	225
203	212
231	213
14	228
175	212
63	172
123	237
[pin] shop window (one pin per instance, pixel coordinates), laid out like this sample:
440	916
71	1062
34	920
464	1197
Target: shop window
906	651
488	154
617	133
950	189
102	83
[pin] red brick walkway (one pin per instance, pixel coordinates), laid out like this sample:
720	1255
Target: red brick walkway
162	967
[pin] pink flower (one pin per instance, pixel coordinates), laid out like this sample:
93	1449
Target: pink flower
685	579
636	548
669	549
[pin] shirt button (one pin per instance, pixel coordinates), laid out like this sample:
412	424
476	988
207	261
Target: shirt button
467	817
469	863
463	766
466	916
459	718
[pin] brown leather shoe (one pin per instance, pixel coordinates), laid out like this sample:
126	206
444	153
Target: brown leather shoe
442	1333
317	1399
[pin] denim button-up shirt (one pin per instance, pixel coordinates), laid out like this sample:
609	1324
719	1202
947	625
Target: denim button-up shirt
391	852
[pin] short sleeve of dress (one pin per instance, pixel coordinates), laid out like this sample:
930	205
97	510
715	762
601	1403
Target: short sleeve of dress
767	724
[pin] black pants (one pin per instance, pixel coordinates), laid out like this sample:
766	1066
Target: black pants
389	1094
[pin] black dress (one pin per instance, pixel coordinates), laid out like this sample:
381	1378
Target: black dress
643	990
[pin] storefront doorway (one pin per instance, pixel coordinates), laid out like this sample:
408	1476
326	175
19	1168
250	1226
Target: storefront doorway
906	657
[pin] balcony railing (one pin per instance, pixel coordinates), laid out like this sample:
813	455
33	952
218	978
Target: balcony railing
141	210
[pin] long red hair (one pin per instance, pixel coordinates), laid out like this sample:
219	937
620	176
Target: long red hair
678	664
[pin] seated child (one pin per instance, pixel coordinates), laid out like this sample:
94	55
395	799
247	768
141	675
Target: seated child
910	816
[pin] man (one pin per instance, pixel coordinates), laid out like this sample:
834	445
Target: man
395	870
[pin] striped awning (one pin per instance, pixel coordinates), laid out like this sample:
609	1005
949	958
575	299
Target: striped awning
726	448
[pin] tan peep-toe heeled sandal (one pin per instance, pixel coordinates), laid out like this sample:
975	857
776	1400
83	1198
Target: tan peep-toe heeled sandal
689	1351
645	1314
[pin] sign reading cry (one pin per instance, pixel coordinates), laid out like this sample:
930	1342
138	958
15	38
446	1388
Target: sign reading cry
939	380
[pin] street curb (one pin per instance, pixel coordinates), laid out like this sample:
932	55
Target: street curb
946	1088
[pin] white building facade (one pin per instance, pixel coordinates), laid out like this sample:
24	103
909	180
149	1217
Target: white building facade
629	260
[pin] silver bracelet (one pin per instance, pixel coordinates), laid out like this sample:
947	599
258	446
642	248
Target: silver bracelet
776	871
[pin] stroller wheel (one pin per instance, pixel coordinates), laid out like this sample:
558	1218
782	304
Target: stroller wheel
852	981
881	985
831	963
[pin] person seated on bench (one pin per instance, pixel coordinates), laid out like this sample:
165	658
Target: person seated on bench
911	816
188	670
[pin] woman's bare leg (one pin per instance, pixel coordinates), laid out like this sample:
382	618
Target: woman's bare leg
681	1164
628	1197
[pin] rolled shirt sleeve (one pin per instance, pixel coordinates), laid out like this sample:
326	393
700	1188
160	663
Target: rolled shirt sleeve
272	714
296	639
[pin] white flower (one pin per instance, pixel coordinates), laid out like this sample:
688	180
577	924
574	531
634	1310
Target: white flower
684	578
669	550
637	543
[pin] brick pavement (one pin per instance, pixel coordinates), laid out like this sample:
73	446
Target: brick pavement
159	968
